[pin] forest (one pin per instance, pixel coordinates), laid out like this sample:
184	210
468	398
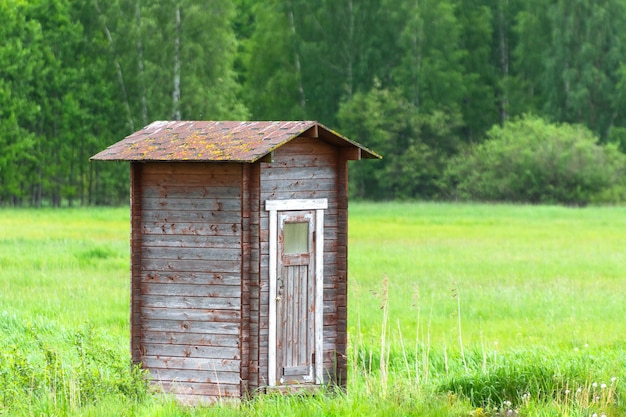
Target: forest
429	84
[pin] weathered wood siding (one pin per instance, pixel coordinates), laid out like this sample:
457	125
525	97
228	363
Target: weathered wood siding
251	283
307	168
187	276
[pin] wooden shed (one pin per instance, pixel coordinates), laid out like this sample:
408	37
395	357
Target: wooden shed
238	254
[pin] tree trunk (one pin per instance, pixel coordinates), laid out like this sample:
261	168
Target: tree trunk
504	59
292	26
140	64
118	68
350	50
416	46
176	92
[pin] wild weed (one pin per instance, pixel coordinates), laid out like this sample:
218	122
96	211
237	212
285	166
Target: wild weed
37	373
494	383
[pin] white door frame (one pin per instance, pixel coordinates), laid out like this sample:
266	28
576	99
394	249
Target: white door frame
274	206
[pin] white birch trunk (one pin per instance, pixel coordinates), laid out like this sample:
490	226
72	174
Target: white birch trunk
140	64
176	92
297	64
118	68
416	45
504	59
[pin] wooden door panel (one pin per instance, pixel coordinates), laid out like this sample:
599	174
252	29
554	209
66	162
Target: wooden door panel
296	306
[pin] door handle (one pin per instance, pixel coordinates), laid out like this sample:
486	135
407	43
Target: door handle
279	283
280	286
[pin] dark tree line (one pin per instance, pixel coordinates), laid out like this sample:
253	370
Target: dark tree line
419	81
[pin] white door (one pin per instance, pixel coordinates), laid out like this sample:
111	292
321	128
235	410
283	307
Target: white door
296	291
295	297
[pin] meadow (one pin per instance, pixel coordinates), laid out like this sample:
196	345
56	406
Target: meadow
454	310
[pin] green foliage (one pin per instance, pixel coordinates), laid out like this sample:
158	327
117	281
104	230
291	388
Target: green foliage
76	76
270	94
529	160
414	145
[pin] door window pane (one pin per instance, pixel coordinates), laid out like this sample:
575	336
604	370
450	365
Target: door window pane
296	237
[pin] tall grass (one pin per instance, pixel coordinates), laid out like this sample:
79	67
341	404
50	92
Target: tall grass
454	310
542	310
526	275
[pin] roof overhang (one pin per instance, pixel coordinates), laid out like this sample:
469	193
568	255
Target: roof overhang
222	141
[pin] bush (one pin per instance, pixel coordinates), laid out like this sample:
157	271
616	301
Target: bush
414	145
530	160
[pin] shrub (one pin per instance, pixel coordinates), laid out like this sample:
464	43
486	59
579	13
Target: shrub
414	145
530	160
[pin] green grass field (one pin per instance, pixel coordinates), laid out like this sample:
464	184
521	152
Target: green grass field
454	310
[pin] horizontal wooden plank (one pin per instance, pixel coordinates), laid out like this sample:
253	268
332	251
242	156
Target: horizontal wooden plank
307	147
192	364
174	192
296	370
186	375
299	185
191	204
190	228
191	241
199	216
213	315
299	173
189	254
294	161
194	392
190	339
335	280
331	306
205	327
178	167
330	319
331	263
337	295
282	194
184	351
191	290
190	179
168	301
199	278
330	337
208	266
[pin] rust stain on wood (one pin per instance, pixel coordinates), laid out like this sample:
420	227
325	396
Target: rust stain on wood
231	141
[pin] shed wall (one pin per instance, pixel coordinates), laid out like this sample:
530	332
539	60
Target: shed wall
307	168
187	276
251	282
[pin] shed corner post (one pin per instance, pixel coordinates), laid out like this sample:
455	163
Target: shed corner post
244	317
273	232
135	261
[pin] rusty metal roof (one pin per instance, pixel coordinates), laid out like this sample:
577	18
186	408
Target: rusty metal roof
225	141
